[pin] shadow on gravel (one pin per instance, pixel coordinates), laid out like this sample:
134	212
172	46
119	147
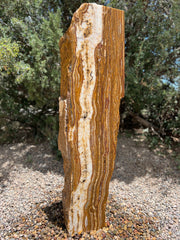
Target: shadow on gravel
134	159
55	214
22	156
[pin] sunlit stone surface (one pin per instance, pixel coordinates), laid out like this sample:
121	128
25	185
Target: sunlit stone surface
92	84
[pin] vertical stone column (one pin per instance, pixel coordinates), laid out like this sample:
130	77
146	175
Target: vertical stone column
92	84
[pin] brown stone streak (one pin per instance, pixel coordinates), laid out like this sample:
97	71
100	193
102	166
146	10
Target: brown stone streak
71	81
108	122
77	77
77	74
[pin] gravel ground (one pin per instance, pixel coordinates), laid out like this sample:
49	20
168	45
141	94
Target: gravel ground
144	194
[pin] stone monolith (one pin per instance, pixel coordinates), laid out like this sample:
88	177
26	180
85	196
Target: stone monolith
92	84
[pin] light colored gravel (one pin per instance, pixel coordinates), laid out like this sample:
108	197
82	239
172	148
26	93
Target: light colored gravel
149	183
142	180
28	173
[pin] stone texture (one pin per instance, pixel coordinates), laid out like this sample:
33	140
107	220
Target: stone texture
92	84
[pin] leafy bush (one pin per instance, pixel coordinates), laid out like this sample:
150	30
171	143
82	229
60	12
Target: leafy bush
30	62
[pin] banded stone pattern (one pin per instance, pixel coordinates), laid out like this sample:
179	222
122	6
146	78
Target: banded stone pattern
92	84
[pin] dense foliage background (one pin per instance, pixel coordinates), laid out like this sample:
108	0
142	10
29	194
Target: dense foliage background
30	65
